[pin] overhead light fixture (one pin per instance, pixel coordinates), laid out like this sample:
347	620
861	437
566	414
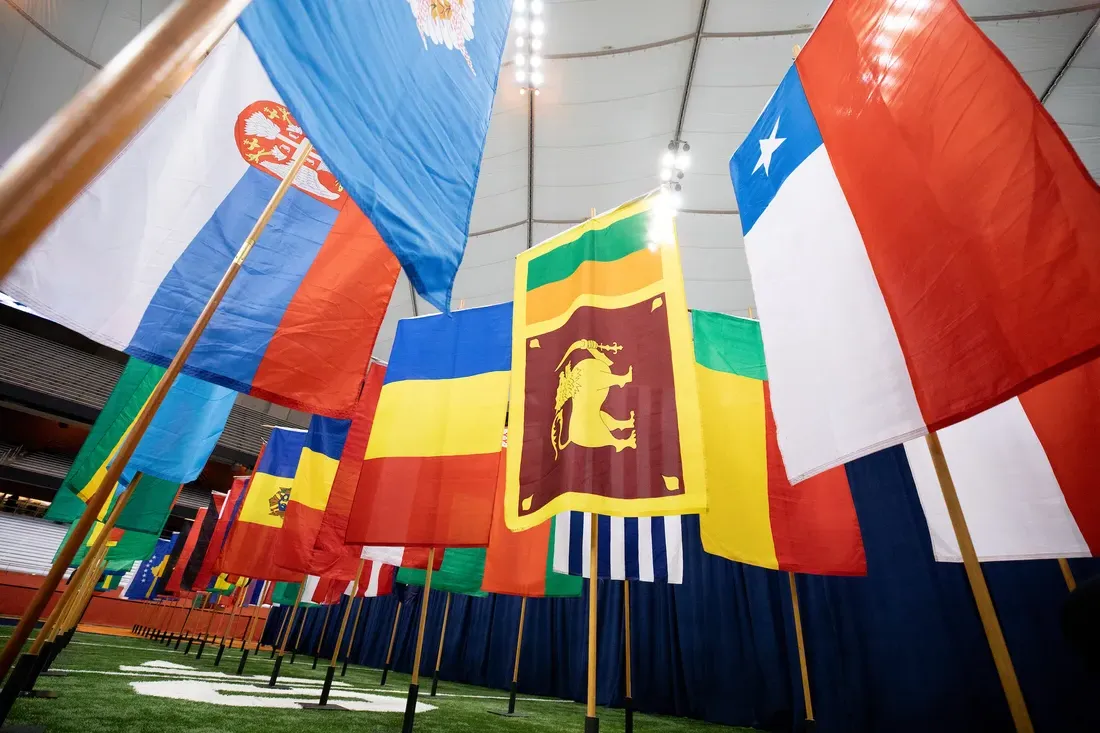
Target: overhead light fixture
536	44
521	60
521	23
536	61
536	78
537	27
536	7
521	76
520	5
674	161
529	27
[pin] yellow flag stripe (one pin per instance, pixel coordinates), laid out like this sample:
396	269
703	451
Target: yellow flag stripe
619	277
313	479
261	504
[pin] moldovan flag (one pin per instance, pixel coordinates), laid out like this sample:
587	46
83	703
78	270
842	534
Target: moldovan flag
305	510
431	463
250	549
915	224
163	222
604	415
755	516
175	447
460	572
396	96
1025	472
522	563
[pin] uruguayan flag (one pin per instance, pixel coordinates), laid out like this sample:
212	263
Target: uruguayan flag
630	548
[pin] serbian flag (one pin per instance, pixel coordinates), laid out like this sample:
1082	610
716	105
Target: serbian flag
920	234
330	555
305	510
1025	472
431	463
754	515
250	549
396	96
163	222
226	515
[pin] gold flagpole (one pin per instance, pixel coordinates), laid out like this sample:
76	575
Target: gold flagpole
414	684
801	651
591	722
993	634
389	652
1071	582
130	442
351	637
331	671
515	663
439	652
628	703
47	172
286	635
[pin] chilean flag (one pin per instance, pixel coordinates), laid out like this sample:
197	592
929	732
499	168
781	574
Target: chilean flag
921	236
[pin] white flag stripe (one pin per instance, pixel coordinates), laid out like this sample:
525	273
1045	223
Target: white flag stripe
310	588
561	544
618	548
586	547
372	583
674	549
388	555
1007	489
645	549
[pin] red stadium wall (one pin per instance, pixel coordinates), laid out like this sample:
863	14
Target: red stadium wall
107	609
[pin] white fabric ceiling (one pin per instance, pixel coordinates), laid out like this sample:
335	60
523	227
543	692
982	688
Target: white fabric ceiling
616	75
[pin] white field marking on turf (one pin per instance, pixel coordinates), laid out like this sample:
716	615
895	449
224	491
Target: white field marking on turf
181	670
261	697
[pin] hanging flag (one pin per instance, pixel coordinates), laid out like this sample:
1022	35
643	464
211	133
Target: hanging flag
250	549
161	224
522	563
190	577
151	570
285	593
754	515
434	69
228	512
175	577
630	548
1025	472
124	548
305	510
177	444
377	580
146	511
109	581
603	384
914	223
330	554
431	462
403	557
460	572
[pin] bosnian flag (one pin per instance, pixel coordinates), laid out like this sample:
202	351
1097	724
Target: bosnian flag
920	234
629	548
134	259
1025	472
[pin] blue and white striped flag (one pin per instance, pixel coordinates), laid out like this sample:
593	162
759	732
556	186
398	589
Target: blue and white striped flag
630	548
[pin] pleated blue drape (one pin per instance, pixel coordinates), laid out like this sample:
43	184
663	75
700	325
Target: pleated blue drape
899	650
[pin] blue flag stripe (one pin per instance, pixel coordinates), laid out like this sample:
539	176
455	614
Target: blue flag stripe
461	344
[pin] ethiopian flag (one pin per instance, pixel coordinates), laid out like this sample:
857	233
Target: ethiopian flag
604	412
754	515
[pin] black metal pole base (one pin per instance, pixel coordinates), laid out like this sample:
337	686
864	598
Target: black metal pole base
435	683
385	674
187	649
16	683
169	639
313	706
240	664
202	646
314	662
293	656
221	651
506	714
344	668
39	694
512	698
591	725
628	705
810	726
275	672
327	687
273	650
410	709
179	640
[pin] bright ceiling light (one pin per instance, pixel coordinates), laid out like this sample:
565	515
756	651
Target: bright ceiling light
536	61
520	5
536	44
520	40
536	6
683	160
666	174
521	24
537	27
521	60
521	76
536	78
668	159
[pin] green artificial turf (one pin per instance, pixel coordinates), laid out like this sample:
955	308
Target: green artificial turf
95	703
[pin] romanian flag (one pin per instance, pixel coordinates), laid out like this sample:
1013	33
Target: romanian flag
755	516
522	563
431	462
305	510
176	445
251	546
604	416
461	572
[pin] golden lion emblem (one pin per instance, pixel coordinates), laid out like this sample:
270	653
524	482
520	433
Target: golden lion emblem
587	385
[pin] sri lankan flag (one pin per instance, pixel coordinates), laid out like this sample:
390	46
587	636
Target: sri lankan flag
604	414
754	515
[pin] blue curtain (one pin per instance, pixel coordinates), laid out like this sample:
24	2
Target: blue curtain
899	650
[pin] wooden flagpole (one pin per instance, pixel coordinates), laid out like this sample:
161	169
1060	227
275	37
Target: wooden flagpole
286	635
140	425
628	702
227	631
439	652
204	597
331	671
250	627
298	638
351	637
279	634
994	636
206	637
1071	582
47	172
515	664
321	636
414	683
389	652
810	724
591	722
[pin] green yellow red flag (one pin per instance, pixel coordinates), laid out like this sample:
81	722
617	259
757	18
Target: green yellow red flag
604	414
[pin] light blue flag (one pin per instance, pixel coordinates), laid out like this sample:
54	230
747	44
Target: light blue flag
396	96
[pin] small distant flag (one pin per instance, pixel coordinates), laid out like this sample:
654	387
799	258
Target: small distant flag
227	514
629	548
431	463
151	570
250	549
175	580
146	511
461	572
754	515
124	547
604	415
193	567
915	222
1025	472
